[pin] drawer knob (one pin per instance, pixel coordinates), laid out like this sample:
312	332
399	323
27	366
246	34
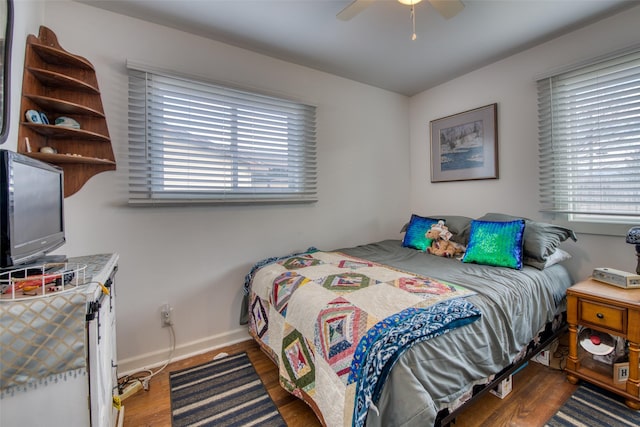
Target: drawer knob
600	316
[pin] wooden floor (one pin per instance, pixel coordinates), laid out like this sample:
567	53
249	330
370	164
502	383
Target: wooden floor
538	392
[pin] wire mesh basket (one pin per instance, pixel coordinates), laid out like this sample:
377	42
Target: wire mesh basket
43	280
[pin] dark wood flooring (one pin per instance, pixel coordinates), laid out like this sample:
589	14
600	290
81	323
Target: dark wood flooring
538	392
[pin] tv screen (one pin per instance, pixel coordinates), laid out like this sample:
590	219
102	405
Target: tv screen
32	214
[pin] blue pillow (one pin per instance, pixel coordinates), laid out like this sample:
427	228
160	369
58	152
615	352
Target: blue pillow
414	237
496	243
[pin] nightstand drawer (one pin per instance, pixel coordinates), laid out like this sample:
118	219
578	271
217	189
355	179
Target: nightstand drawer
603	315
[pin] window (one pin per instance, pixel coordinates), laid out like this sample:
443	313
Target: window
196	142
589	127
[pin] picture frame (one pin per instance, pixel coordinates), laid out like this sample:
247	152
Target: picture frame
464	146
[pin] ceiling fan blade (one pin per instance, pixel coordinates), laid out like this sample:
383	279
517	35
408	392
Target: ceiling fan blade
447	8
354	8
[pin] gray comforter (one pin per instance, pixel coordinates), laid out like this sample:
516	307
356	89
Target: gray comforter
440	373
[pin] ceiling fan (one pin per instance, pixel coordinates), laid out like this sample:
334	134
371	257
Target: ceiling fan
447	8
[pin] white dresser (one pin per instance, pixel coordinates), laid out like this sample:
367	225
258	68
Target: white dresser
58	353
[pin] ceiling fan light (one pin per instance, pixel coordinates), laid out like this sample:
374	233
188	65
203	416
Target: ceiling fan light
409	2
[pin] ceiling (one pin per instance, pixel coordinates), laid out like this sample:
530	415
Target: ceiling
375	47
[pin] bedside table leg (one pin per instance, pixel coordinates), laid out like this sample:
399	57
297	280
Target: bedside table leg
572	361
633	382
632	404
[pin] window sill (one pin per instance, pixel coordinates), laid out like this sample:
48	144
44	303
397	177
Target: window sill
599	228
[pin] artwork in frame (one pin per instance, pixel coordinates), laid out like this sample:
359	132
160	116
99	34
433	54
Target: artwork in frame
464	146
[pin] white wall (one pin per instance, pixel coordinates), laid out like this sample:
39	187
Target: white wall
196	258
511	84
27	15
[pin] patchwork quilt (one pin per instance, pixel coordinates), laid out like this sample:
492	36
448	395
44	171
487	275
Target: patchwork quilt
336	324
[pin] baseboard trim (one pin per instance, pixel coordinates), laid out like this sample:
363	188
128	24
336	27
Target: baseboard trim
158	358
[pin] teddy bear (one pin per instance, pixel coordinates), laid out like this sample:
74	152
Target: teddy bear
441	245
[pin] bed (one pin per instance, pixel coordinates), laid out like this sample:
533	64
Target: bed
386	334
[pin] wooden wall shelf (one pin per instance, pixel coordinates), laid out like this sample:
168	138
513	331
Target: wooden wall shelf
52	78
71	159
50	52
63	106
58	83
52	131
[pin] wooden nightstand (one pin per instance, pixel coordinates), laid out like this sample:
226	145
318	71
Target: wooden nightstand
612	310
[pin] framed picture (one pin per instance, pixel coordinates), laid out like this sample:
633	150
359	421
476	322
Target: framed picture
464	146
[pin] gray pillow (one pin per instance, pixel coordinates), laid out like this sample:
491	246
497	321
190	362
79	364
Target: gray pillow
540	239
558	256
456	224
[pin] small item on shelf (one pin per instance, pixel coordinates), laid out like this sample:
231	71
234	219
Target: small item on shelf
621	370
597	343
27	144
44	119
48	150
67	122
33	116
619	352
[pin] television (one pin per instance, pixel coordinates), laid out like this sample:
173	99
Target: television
31	211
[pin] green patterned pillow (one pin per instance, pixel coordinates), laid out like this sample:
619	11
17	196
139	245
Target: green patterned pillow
496	243
540	239
414	236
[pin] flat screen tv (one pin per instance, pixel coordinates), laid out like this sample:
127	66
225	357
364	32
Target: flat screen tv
31	210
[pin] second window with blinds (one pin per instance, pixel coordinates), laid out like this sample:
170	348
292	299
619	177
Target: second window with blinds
589	127
195	142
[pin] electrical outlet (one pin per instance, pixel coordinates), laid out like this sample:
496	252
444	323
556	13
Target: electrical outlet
166	315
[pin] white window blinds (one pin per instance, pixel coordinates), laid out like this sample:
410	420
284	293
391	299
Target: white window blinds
195	142
589	130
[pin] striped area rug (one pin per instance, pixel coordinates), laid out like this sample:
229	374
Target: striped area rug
222	393
590	406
